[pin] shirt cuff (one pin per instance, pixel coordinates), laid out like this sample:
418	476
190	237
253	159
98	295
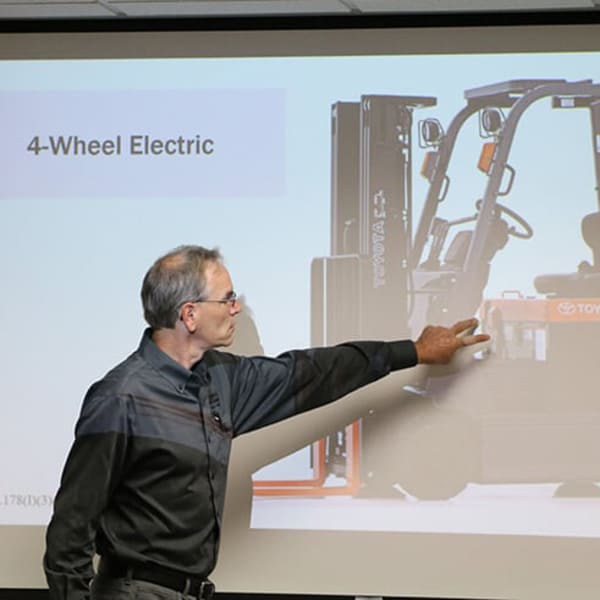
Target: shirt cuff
403	354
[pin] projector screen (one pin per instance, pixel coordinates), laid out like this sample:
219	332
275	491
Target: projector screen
360	184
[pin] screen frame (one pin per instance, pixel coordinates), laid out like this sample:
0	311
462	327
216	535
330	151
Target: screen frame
278	36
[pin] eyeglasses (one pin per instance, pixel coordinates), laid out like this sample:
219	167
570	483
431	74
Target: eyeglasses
232	299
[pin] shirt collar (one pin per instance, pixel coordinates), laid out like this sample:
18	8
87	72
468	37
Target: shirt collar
170	369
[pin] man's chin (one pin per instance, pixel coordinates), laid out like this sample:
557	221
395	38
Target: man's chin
227	341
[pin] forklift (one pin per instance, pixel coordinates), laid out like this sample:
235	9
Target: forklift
527	412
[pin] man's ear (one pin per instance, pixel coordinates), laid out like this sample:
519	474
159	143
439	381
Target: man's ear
188	316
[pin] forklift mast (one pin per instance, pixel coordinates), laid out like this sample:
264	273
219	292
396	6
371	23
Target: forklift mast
361	290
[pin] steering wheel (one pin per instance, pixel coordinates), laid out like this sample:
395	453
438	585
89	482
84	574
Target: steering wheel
525	230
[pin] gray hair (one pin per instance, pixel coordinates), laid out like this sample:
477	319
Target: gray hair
174	279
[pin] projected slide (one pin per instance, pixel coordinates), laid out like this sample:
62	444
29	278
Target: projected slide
352	198
519	427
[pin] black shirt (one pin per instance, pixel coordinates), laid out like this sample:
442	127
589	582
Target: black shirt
145	478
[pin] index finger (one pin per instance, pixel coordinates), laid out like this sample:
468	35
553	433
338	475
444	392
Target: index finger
466	326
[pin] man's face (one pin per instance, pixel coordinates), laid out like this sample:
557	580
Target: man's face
216	320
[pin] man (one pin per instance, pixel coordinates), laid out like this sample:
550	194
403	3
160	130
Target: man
144	483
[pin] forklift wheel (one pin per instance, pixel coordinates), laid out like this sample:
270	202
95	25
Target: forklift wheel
439	456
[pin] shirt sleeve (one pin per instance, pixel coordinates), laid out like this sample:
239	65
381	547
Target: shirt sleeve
89	476
268	390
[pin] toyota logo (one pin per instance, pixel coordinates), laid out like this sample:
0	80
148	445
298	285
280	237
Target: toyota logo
567	308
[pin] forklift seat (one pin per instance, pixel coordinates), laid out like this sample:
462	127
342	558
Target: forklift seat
456	254
586	282
590	230
457	250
